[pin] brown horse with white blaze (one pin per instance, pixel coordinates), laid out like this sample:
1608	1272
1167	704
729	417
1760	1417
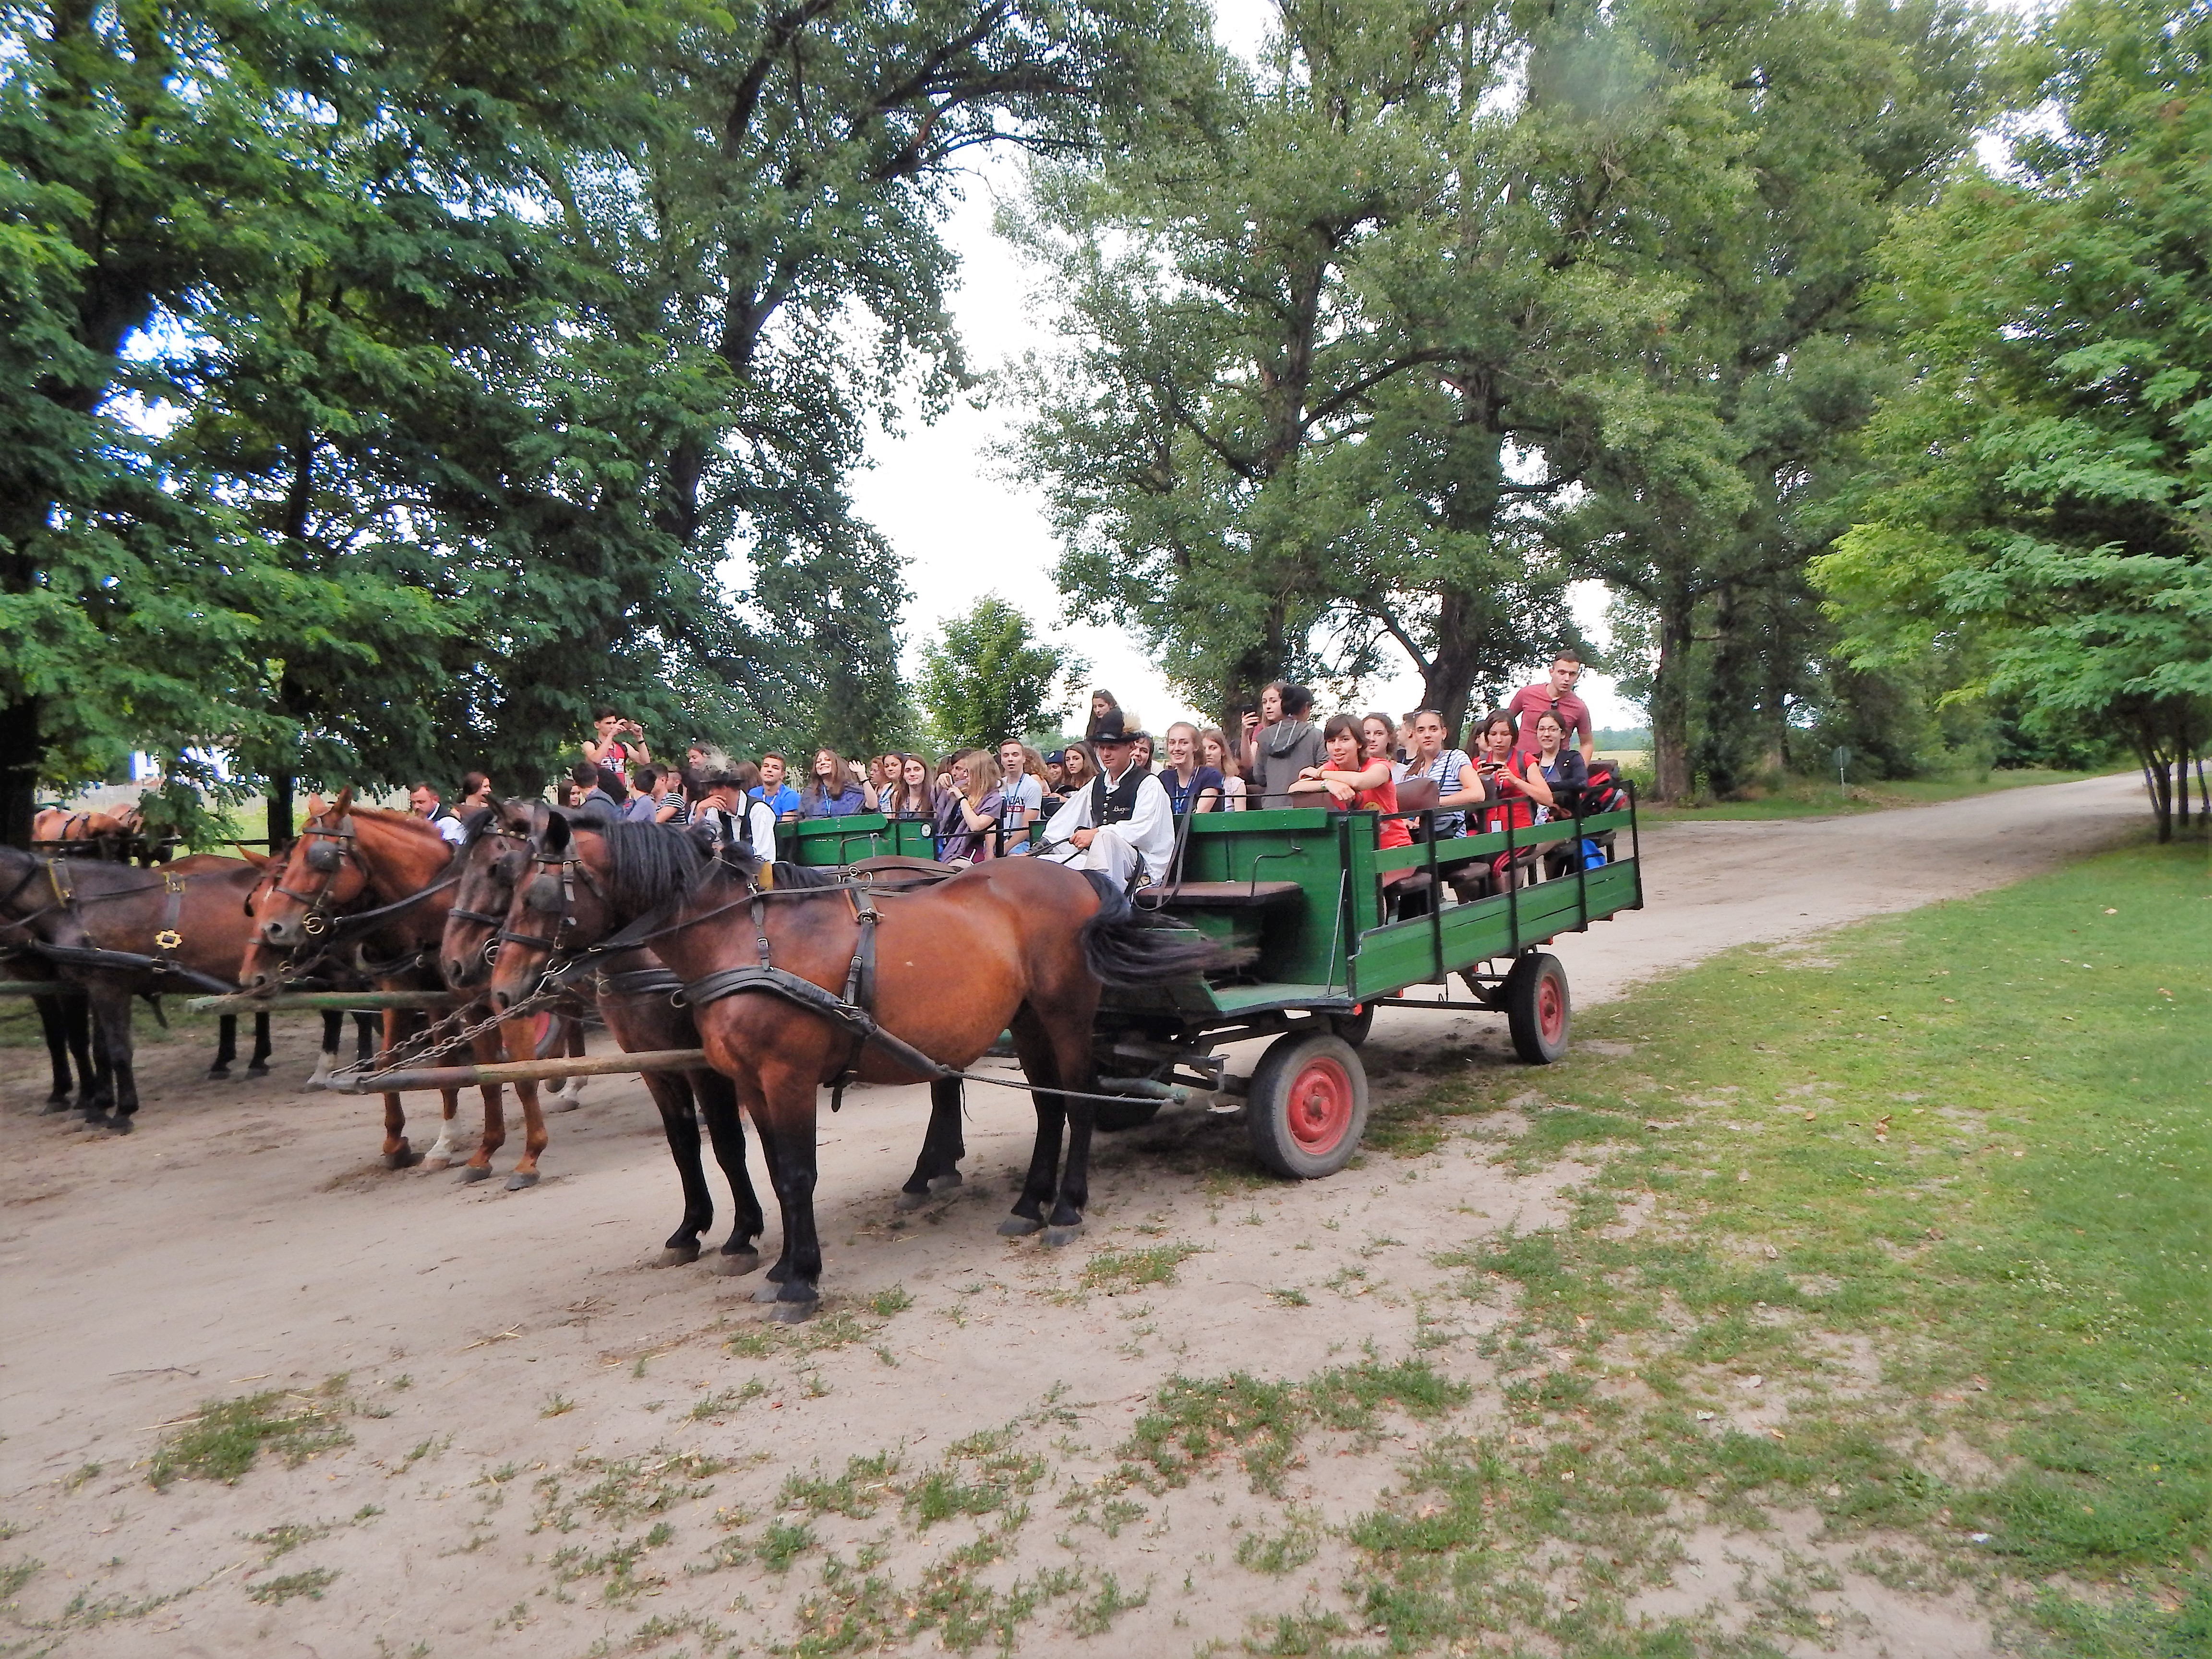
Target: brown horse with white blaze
378	884
1015	944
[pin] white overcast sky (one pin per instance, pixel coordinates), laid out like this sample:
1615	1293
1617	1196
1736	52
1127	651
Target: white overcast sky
967	532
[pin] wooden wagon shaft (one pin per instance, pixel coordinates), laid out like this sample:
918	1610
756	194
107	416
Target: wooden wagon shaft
520	1071
38	987
344	1001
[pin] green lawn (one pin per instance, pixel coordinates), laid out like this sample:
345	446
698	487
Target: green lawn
1802	797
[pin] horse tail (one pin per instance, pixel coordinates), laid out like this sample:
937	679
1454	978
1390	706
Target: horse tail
1123	948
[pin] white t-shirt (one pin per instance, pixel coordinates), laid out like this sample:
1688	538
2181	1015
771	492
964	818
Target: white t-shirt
1024	792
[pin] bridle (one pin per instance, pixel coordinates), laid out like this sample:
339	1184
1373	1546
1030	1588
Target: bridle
496	923
329	848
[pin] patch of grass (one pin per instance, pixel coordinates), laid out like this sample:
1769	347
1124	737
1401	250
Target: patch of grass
618	1564
1944	1182
724	1402
1196	1421
556	1405
858	1493
983	1474
616	1490
223	1441
1278	1552
15	1575
856	1609
1095	1615
277	1591
839	1328
782	1542
81	1475
281	1541
884	1303
1291	1296
1117	1272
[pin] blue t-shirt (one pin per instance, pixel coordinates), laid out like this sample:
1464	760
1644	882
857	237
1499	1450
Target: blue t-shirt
834	806
1180	799
786	798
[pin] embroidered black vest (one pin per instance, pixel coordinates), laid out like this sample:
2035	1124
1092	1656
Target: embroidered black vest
1117	804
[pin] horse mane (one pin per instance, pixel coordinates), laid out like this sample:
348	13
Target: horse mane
385	815
650	864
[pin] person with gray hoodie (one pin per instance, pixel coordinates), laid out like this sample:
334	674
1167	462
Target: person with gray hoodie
1277	752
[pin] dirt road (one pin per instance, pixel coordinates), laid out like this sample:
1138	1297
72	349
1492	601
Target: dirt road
549	1444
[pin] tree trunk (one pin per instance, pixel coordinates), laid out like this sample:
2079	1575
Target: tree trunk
280	812
21	750
1670	700
1448	685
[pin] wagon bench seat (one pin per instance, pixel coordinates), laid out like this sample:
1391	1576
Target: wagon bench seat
1223	895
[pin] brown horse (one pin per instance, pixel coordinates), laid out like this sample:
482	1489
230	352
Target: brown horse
1018	943
371	885
117	933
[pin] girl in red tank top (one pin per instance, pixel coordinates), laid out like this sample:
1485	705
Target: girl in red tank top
1346	782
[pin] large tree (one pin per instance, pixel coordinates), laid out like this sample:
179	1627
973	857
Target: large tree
986	677
2043	524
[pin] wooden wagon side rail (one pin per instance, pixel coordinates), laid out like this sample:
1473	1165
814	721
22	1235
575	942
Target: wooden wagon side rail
365	1002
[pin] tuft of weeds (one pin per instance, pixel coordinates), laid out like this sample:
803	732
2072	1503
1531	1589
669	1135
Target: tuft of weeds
277	1591
618	1564
223	1441
1278	1552
556	1405
858	1493
983	1474
1119	1272
1095	1615
713	1407
781	1543
282	1540
1196	1420
839	1328
1290	1297
620	1490
77	1479
15	1575
884	1303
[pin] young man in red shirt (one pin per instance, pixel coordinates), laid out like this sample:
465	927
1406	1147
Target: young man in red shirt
1555	697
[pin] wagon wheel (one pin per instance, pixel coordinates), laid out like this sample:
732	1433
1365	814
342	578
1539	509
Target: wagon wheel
1354	1026
1537	1009
1307	1106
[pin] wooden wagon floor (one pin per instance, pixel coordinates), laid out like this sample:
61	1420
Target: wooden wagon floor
517	1382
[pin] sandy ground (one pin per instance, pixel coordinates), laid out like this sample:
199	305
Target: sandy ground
524	1387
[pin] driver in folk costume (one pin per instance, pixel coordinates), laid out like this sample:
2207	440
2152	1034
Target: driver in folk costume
1122	823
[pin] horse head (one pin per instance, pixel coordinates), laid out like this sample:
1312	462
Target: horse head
295	900
493	858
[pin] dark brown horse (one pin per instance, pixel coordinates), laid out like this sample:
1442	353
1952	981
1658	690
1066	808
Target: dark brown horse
1018	943
117	933
367	890
633	993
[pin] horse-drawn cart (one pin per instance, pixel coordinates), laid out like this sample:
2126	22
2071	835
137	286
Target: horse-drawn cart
1310	894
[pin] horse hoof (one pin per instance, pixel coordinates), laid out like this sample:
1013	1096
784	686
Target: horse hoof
791	1313
216	1072
56	1108
437	1161
402	1159
677	1256
1019	1226
768	1290
521	1179
946	1183
1057	1236
733	1264
92	1120
549	1105
118	1126
257	1070
471	1173
910	1201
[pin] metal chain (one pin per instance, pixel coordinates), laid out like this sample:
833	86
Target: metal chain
410	1053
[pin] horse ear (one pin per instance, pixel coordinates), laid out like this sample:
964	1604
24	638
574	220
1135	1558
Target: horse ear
262	859
557	834
345	800
316	804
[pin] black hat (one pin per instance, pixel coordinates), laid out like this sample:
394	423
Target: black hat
715	766
1109	729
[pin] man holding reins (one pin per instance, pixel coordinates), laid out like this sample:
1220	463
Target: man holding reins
1120	824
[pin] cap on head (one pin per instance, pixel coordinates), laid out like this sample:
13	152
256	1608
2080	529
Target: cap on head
1110	728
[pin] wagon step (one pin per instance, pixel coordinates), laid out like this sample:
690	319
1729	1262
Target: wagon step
518	1071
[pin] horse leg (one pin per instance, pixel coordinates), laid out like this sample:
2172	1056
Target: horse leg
258	1066
397	1155
54	1026
938	1168
680	1122
364	1037
1075	1067
788	1094
1039	1066
515	1039
327	1061
226	1046
718	1104
567	1091
111	1008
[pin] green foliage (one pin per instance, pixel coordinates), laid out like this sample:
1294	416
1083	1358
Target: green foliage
2042	522
227	1436
987	678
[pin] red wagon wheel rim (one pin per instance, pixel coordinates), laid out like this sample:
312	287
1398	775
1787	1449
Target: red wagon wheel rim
1321	1105
1551	1008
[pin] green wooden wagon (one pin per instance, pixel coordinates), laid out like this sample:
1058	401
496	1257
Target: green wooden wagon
1307	891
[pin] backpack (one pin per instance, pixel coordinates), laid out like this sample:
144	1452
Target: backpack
1603	790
